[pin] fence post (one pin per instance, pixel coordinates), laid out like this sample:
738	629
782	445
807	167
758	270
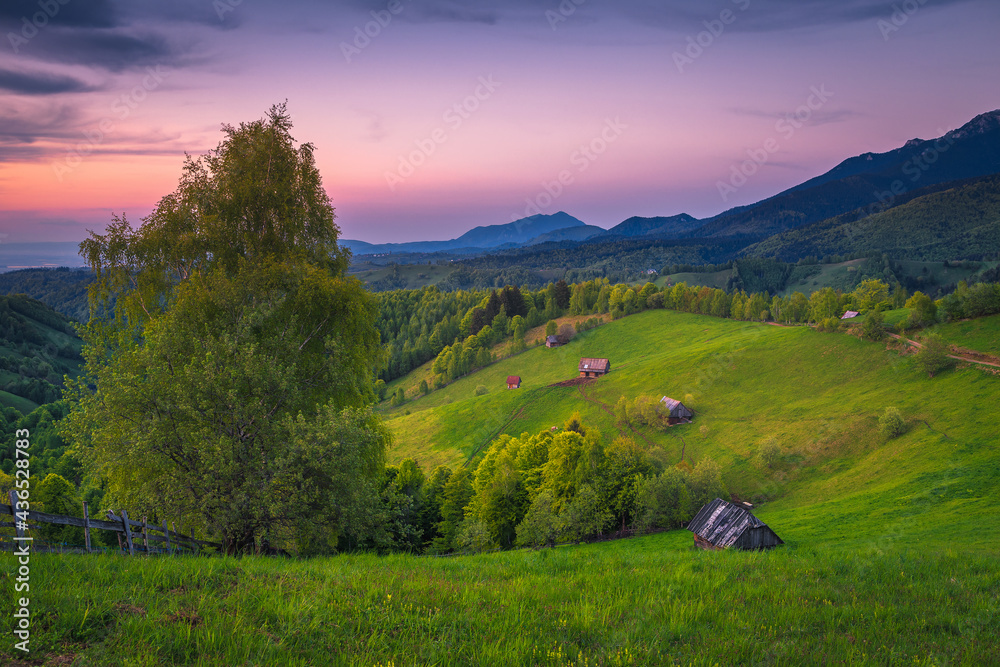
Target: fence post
166	534
12	495
128	533
145	536
173	527
86	526
194	545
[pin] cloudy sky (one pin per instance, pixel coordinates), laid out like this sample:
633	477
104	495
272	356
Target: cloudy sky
433	116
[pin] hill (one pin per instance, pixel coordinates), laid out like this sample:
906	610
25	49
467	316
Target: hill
960	221
870	179
63	289
659	227
746	382
38	346
883	537
478	238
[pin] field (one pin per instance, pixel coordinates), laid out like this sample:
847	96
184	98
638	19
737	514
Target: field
890	552
646	601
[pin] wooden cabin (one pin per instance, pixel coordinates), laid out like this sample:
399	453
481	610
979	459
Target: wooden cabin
513	381
677	412
723	525
552	341
592	368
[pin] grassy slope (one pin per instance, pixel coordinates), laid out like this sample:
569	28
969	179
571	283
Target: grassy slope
982	335
819	395
890	553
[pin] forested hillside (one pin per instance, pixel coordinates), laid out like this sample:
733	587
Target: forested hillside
962	222
38	346
63	289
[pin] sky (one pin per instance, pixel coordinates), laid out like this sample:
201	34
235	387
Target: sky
431	117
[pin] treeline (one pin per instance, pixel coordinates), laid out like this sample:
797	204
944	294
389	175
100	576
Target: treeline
420	325
533	490
63	289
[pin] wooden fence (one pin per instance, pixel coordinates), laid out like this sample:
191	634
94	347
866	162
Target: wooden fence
133	536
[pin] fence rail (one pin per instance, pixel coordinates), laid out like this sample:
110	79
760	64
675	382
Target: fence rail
133	536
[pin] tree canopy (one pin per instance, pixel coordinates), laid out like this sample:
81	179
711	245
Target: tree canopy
229	366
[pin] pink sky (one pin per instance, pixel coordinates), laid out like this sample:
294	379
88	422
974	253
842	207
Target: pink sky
103	127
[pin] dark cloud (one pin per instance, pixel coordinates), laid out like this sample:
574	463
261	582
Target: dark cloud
677	15
114	50
75	13
113	36
40	83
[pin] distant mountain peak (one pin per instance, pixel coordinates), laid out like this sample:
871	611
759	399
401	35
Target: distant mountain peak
981	124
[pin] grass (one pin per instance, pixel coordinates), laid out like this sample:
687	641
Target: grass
890	555
646	601
21	404
981	335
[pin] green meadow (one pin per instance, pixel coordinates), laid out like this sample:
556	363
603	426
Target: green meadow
891	555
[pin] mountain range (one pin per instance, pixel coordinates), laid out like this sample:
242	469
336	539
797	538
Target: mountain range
864	185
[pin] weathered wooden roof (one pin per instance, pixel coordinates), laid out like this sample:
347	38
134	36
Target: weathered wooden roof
552	339
849	314
722	523
676	408
513	379
588	364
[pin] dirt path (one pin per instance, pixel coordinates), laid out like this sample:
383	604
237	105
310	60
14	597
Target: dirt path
969	359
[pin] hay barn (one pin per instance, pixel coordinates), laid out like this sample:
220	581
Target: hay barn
592	368
724	525
513	381
677	412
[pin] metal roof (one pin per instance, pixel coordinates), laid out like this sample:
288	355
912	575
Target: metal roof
722	523
513	379
676	408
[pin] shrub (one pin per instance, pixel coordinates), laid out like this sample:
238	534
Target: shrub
873	327
891	423
933	356
767	454
482	390
424	389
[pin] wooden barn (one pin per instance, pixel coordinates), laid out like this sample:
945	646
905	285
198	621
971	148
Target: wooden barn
677	412
513	381
592	368
723	525
552	341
